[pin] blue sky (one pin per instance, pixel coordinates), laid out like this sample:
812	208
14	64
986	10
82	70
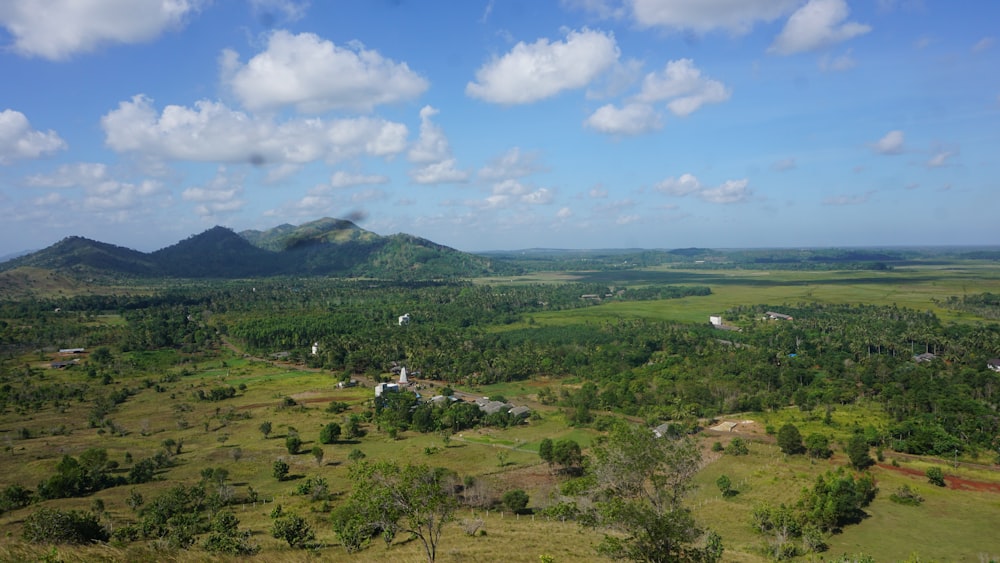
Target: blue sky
503	124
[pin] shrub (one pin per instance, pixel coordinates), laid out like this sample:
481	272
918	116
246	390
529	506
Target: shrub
48	525
906	495
515	501
330	433
790	440
935	476
292	444
738	446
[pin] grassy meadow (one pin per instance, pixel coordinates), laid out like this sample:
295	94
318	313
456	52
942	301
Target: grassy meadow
951	525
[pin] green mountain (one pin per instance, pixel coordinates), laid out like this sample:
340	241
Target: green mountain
84	256
326	247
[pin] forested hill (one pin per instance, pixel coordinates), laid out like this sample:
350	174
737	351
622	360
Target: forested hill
327	247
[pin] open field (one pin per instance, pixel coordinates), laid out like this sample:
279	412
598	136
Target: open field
914	287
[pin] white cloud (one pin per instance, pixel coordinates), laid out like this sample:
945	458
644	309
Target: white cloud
369	194
218	197
820	23
512	193
564	213
731	191
736	16
532	72
683	84
686	184
115	197
598	192
58	29
315	76
70	176
341	179
982	45
632	119
838	64
627	219
891	143
940	159
512	164
212	132
19	141
444	172
432	145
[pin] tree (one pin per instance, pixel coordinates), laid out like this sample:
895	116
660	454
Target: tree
545	450
857	452
790	440
515	501
567	453
293	529
413	499
640	483
317	452
818	446
226	537
292	444
935	476
265	428
725	485
330	433
280	469
837	499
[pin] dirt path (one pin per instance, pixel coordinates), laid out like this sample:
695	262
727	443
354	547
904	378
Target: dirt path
957	483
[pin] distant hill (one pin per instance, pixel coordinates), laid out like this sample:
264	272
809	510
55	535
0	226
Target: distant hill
329	247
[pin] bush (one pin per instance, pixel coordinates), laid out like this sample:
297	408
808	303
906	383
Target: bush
330	433
935	476
280	470
738	446
818	446
515	501
292	444
906	495
48	525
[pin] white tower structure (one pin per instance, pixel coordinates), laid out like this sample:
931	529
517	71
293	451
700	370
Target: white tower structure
402	377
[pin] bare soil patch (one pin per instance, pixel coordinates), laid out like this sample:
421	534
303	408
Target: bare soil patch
957	483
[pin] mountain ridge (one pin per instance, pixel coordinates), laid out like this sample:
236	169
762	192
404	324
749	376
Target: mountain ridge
324	247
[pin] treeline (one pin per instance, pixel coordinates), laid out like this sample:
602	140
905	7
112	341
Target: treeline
986	305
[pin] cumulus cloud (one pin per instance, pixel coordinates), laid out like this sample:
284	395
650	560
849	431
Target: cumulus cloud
684	185
315	75
512	164
940	159
19	141
564	213
820	23
220	196
70	176
341	179
683	84
443	172
509	193
731	191
631	119
736	16
58	29
212	132
891	143
432	145
114	198
533	72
